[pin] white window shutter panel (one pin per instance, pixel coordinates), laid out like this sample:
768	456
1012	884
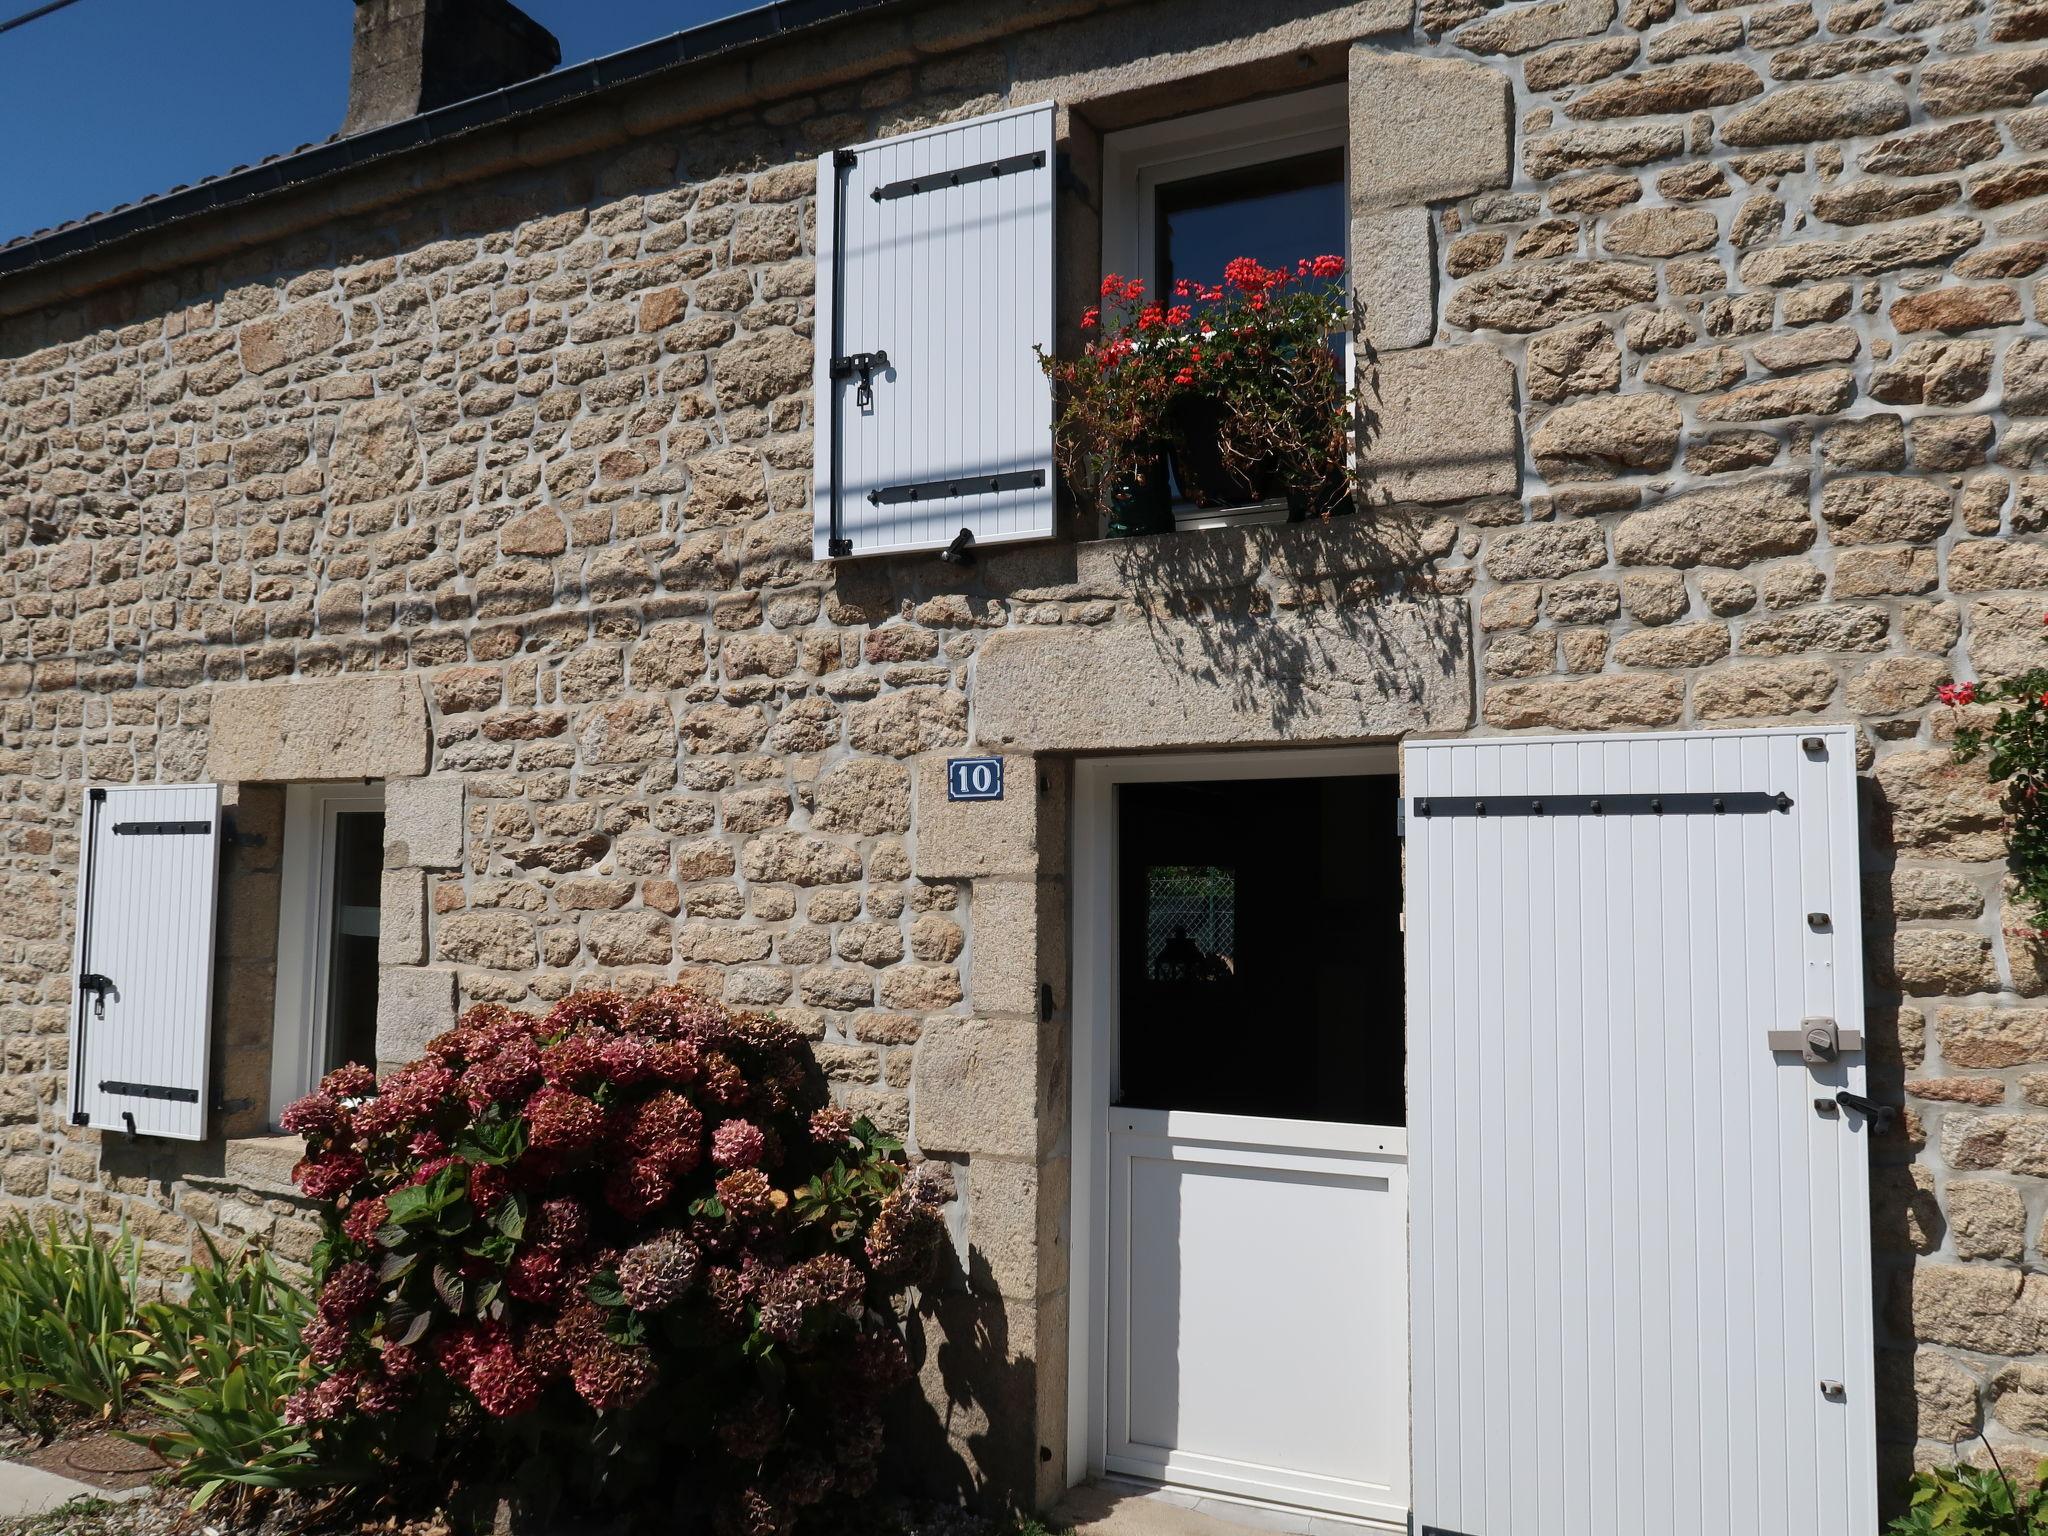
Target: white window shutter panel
1639	1226
935	248
142	999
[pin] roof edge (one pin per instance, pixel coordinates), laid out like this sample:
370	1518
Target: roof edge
762	24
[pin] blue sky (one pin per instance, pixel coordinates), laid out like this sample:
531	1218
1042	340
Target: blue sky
110	100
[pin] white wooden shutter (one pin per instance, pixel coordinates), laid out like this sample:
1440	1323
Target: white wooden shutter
1639	1249
937	249
149	872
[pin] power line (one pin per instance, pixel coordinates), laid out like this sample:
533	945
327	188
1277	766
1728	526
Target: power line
28	16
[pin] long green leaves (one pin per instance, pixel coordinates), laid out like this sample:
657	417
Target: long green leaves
222	1362
67	1315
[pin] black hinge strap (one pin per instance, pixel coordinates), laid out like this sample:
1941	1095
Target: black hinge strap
938	181
1745	802
965	485
162	828
151	1091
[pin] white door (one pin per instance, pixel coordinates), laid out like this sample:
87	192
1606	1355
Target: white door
1252	1322
1640	1223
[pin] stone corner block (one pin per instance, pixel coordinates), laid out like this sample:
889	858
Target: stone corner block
414	1004
319	729
969	839
423	823
1440	425
1426	130
402	917
1393	271
1015	944
974	1088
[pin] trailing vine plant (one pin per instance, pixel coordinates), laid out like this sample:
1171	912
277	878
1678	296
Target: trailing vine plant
2015	745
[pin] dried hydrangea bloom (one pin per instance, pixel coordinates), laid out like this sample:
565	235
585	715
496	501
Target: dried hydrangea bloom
326	1339
588	1010
738	1144
571	1061
560	1223
328	1175
566	1121
502	1384
639	1186
353	1081
364	1219
832	1127
349	1289
747	1195
659	1272
315	1117
537	1275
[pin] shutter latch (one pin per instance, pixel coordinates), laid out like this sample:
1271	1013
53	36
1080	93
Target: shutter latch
99	986
866	365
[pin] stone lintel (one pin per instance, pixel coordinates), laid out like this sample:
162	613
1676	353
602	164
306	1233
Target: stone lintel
1235	673
319	729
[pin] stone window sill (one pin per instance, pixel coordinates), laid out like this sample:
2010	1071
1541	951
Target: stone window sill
262	1162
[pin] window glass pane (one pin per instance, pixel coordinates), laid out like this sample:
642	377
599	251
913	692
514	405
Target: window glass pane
354	920
1260	948
1277	212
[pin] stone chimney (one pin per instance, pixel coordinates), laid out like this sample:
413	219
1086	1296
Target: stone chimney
414	55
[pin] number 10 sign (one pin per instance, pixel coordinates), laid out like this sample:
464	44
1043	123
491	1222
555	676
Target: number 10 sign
974	778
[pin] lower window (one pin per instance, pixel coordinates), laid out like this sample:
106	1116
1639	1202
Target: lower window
328	926
1260	934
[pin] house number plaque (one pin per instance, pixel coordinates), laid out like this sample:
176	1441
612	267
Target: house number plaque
974	778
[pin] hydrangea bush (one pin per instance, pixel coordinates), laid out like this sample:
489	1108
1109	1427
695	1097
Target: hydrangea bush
622	1252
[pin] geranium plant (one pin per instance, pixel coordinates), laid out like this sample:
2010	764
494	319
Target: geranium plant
2015	744
1243	382
622	1251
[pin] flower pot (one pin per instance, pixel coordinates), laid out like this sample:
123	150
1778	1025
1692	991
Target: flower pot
1207	477
1141	502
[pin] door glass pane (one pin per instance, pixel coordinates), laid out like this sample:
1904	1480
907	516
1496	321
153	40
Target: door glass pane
1259	950
358	865
1278	212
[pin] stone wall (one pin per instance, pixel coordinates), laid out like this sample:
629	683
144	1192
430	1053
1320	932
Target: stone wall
1701	391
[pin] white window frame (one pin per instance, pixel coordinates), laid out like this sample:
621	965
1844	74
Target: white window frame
1136	162
1096	911
305	913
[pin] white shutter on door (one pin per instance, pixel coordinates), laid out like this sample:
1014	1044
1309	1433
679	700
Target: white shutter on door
1639	1247
935	248
142	997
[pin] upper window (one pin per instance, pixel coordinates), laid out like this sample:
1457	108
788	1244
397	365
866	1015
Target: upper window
329	920
1266	179
1278	212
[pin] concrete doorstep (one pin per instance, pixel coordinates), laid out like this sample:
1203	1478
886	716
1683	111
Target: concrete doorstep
1128	1509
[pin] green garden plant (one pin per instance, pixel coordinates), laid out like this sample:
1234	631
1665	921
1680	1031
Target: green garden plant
68	1345
1968	1501
221	1365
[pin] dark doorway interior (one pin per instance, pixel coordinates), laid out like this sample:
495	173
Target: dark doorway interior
1259	964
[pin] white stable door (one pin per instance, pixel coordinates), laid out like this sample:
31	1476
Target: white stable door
1248	1322
1640	1221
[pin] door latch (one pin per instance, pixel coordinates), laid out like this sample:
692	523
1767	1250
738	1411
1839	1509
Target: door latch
1879	1115
99	986
1818	1041
864	365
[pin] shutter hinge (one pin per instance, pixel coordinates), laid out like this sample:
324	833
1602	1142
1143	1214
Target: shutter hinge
961	550
844	159
835	548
